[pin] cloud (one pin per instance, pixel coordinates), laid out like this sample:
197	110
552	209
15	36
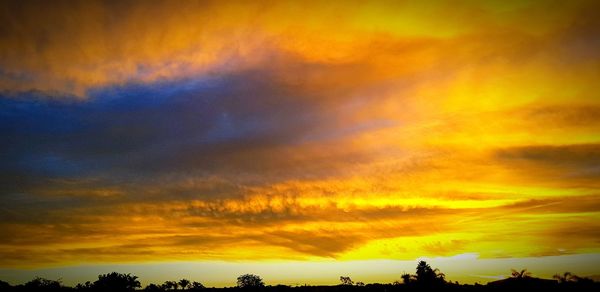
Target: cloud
238	132
570	163
239	128
70	49
572	116
299	229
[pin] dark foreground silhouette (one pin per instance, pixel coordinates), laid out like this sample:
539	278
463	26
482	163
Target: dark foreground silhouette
425	279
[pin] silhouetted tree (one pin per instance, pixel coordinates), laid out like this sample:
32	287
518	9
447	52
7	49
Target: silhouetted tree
86	286
41	284
170	285
346	281
520	274
427	275
250	281
197	285
426	278
564	278
184	283
116	282
406	278
153	288
568	277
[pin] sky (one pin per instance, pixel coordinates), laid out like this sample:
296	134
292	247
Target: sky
299	140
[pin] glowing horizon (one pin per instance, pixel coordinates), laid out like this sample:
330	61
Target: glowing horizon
464	268
199	131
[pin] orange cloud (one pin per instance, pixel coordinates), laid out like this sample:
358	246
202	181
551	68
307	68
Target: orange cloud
261	131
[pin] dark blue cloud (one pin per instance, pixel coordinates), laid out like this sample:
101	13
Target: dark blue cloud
213	126
117	126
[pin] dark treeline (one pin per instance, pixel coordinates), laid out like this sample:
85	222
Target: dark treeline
425	278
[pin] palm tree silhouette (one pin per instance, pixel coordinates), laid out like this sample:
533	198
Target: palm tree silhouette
520	274
116	282
184	283
427	275
407	278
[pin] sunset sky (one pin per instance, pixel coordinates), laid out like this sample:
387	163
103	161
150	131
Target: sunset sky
300	141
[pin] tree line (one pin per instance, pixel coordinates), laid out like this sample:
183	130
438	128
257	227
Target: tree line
424	277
